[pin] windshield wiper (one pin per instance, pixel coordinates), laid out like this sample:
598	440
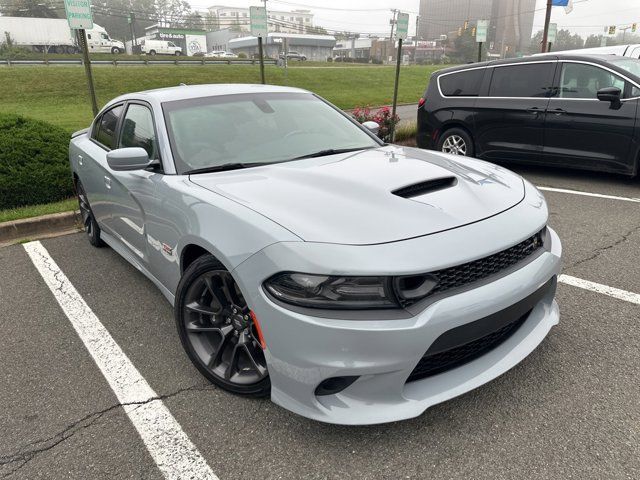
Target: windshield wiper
330	151
222	168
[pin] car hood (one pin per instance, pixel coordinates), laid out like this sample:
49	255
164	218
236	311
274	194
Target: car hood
350	199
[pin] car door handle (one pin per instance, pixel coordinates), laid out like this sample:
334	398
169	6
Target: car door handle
535	110
107	182
558	111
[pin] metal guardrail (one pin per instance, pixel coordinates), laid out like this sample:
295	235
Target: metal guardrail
115	63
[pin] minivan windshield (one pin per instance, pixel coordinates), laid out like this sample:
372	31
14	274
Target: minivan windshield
256	129
631	65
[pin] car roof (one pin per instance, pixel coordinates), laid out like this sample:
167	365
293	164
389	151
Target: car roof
604	59
184	92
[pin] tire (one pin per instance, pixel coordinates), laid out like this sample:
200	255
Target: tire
115	50
58	49
217	332
456	141
177	54
152	52
91	227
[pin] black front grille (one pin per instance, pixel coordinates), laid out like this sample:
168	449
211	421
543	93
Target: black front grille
469	341
439	362
467	273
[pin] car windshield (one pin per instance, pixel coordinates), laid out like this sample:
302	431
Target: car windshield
257	129
631	65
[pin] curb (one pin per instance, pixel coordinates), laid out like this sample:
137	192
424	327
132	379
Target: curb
39	227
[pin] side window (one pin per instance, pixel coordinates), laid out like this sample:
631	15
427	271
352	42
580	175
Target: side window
523	80
466	83
635	91
104	36
105	130
578	80
138	131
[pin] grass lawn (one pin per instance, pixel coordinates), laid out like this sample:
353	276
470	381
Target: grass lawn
37	210
59	94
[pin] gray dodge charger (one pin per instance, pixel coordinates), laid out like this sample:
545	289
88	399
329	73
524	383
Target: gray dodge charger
354	282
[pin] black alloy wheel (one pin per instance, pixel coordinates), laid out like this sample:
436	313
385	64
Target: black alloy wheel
88	220
217	329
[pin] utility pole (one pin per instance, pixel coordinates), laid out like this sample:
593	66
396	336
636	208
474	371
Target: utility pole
547	19
417	26
624	31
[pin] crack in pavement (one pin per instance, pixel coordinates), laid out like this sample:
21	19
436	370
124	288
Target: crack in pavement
27	452
600	250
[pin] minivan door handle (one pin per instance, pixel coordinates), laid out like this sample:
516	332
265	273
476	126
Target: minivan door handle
535	110
558	111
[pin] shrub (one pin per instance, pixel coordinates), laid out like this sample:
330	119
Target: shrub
382	117
9	50
34	166
242	55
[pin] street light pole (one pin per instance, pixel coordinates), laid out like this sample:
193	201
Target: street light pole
547	20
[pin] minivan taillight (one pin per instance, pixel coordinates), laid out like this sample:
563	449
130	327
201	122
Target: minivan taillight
421	102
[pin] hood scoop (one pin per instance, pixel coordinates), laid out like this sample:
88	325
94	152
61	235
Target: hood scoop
428	186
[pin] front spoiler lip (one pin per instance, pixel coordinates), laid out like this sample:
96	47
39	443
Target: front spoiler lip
504	357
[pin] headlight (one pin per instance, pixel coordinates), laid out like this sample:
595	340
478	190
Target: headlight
349	293
334	292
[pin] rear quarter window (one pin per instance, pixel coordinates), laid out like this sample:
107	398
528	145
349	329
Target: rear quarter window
462	84
104	131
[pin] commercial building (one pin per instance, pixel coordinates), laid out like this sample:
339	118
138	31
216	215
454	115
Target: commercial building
314	47
237	18
191	41
510	21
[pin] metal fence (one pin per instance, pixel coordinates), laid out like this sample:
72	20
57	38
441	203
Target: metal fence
115	63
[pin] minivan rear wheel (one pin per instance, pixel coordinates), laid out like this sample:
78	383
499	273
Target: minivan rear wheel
456	141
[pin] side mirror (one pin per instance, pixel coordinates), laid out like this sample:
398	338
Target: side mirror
373	127
609	94
130	158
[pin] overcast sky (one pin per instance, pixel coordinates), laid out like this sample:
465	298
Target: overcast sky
372	16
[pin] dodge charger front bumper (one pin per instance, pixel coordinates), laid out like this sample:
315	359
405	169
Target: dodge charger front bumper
305	349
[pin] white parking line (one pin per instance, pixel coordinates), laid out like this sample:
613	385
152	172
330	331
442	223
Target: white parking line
600	288
588	194
169	446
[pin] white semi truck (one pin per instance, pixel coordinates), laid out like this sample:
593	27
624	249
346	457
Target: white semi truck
53	35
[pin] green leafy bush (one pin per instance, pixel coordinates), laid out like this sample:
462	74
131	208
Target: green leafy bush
34	165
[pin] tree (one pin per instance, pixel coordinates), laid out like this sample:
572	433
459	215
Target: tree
32	8
593	41
466	47
195	21
212	22
564	41
113	14
317	31
171	13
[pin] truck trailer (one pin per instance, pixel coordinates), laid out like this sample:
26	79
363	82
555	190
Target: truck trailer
53	35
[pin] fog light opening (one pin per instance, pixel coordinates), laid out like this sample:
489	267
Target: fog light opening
334	385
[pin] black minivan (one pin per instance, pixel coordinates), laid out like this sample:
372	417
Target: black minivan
578	111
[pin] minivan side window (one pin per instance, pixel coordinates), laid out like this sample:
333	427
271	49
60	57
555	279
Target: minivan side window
105	130
522	80
578	80
461	84
138	130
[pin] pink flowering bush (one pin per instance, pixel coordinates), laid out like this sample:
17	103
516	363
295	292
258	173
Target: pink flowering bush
382	117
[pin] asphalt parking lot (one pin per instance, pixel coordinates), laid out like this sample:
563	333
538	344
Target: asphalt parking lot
570	410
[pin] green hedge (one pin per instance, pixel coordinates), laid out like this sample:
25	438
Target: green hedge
34	165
